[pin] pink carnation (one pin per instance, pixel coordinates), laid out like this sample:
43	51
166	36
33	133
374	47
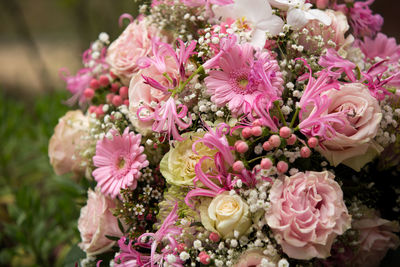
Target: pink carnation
382	47
376	237
118	161
307	213
242	77
134	43
362	21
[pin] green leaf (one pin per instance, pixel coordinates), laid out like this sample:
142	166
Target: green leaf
75	255
121	228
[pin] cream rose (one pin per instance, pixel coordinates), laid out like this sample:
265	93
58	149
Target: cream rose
95	222
66	143
177	166
256	258
225	214
353	144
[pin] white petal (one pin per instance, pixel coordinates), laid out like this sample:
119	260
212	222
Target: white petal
273	25
281	4
254	11
258	38
225	12
285	4
297	18
319	15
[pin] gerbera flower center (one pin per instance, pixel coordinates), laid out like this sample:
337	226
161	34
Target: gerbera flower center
243	83
121	163
239	81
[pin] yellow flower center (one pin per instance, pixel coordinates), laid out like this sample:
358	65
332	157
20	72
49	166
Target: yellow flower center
243	83
121	163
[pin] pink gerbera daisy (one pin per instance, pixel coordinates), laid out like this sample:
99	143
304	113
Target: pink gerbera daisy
118	161
242	76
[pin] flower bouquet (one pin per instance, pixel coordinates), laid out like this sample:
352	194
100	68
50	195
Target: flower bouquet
237	133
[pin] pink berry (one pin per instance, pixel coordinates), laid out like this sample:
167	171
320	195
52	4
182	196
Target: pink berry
126	102
238	166
257	122
92	109
241	146
275	140
282	167
88	93
103	80
94	84
117	101
114	87
267	146
99	111
123	92
181	247
204	258
285	132
305	152
292	139
312	142
266	164
246	132
109	97
256	131
113	75
214	237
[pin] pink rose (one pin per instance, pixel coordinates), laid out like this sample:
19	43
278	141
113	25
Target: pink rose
66	143
353	144
307	213
376	237
321	4
135	42
144	95
95	222
335	32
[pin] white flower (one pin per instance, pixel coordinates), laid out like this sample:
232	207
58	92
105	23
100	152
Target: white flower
197	244
225	214
283	263
299	12
258	14
184	256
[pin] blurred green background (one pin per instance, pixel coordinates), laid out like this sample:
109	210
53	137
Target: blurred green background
39	210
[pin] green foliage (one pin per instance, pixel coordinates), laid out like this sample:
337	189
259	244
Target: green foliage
38	210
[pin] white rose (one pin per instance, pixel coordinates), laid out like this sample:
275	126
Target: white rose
225	214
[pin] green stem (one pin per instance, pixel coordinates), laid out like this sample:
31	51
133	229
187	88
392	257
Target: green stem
257	158
183	85
276	104
167	77
294	117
